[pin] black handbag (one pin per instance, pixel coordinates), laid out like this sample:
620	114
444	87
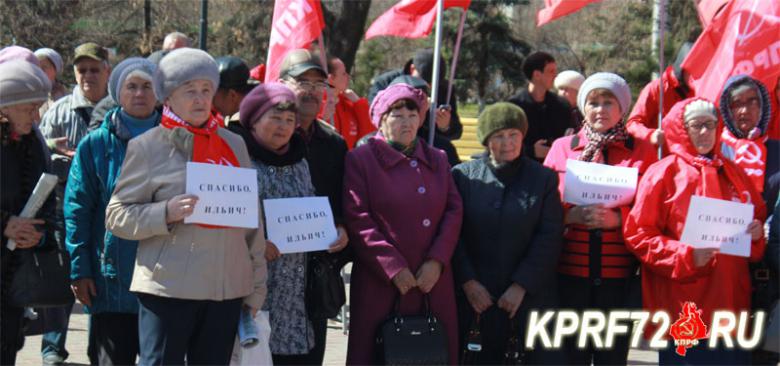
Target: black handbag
41	278
325	294
514	354
473	343
412	339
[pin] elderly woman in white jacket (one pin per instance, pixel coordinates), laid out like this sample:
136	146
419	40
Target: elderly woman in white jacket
192	280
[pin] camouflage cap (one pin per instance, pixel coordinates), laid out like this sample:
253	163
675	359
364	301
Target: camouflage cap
91	50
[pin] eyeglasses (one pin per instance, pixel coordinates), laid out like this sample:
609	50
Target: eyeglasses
752	103
698	126
309	85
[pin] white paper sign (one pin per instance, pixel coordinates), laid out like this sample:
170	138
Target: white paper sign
227	196
591	183
301	224
714	223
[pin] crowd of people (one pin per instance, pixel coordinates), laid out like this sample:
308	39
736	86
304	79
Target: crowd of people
479	244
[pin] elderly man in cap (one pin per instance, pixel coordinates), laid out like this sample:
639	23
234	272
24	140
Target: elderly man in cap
234	85
63	126
303	73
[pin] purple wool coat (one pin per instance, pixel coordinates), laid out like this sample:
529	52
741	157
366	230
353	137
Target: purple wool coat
400	212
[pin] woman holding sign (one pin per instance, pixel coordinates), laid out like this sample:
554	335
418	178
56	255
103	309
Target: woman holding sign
674	272
512	235
192	280
404	212
268	121
595	268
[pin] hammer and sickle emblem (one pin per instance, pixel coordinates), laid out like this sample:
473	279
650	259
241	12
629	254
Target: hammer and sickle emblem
748	153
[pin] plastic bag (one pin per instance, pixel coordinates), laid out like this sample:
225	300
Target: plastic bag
260	352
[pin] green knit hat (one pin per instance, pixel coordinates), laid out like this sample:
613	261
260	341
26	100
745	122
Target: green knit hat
500	116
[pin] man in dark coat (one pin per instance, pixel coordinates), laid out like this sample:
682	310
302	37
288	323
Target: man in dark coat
549	115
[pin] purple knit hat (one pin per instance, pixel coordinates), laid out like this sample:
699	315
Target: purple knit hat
262	98
392	94
18	53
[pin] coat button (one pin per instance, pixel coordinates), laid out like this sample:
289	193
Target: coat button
271	170
426	222
497	205
413	163
597	282
421	190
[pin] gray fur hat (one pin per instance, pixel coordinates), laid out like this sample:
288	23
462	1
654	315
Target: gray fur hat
182	65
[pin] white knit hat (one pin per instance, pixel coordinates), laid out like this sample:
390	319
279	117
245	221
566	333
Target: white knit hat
699	108
569	79
52	55
606	80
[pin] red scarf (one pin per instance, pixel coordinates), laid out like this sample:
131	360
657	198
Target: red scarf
749	155
208	147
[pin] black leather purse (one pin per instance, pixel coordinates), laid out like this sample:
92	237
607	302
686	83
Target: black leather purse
473	343
412	340
41	278
514	354
325	294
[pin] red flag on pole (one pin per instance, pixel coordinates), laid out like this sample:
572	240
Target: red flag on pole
744	39
554	9
410	18
295	25
708	9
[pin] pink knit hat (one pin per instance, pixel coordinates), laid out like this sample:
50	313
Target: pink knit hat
18	53
392	94
262	98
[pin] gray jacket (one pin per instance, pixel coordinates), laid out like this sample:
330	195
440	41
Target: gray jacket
68	117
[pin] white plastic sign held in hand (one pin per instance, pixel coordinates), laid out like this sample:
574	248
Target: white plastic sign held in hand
299	224
227	196
714	223
592	183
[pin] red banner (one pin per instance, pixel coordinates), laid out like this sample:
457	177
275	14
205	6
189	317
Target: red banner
743	39
554	9
708	9
410	18
295	25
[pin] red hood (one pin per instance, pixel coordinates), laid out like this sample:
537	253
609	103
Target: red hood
676	136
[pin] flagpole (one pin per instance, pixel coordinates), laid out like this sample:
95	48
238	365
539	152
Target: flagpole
455	55
661	11
435	76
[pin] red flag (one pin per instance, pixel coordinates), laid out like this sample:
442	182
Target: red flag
296	24
554	9
410	18
708	9
744	39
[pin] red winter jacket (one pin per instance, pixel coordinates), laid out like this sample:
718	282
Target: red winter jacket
610	258
655	224
643	119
